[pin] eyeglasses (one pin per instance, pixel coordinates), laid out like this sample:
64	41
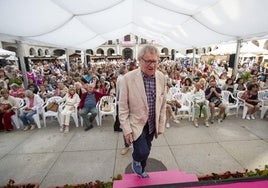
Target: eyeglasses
149	62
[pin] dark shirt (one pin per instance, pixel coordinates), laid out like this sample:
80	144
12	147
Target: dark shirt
150	89
213	95
252	97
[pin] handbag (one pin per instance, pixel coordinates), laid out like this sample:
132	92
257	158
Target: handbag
52	106
106	107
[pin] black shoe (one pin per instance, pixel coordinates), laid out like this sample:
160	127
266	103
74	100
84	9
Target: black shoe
89	127
118	130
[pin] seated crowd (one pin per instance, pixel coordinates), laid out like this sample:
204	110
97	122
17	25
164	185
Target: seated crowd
82	88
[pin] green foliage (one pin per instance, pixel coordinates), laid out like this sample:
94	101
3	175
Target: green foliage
210	61
15	80
246	76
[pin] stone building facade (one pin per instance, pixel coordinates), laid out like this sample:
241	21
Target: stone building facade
126	47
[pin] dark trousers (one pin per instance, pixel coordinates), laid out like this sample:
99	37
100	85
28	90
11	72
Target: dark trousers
7	120
117	126
142	146
117	122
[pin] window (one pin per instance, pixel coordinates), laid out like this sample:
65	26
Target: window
143	41
127	38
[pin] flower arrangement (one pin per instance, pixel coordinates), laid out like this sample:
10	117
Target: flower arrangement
100	184
96	184
229	175
11	184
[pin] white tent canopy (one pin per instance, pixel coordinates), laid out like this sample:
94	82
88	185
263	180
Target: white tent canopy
173	23
247	47
6	53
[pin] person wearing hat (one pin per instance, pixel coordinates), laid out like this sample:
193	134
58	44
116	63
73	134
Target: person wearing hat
71	101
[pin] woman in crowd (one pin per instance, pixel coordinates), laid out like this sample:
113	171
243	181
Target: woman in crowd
212	77
48	86
239	85
79	89
199	100
16	91
31	74
222	79
8	105
33	104
39	79
251	98
32	85
171	107
187	85
71	101
229	86
203	83
61	90
112	88
100	87
42	92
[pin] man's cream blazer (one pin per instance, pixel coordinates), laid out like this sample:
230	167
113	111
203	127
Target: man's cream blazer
133	106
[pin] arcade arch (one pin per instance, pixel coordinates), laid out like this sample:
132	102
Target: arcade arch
127	53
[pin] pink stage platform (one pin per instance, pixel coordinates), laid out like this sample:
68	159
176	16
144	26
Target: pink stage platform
156	178
252	184
176	176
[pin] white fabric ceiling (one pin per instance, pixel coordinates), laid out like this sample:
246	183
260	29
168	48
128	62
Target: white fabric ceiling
247	47
175	24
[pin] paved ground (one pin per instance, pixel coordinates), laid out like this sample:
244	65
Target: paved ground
53	158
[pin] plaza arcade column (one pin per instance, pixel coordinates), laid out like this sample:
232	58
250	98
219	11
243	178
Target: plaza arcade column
21	54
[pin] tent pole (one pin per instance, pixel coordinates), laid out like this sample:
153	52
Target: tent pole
67	60
22	63
193	62
83	58
238	47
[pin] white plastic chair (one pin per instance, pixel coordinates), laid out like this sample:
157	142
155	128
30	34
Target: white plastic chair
111	101
178	86
242	103
15	118
48	113
36	116
262	96
225	97
186	103
173	90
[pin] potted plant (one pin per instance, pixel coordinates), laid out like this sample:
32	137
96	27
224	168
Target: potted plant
246	76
